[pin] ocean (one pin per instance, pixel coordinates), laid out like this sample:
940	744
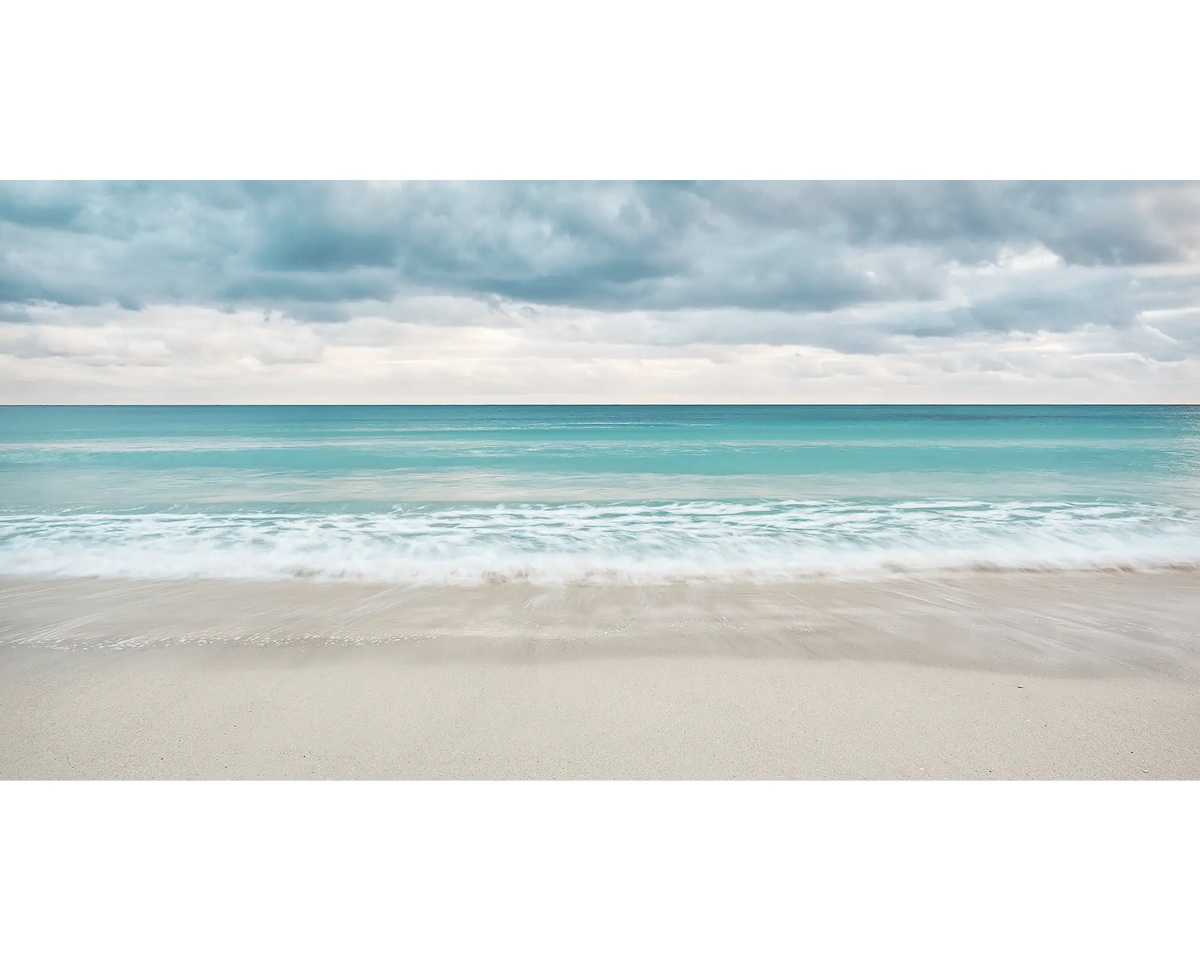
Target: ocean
594	494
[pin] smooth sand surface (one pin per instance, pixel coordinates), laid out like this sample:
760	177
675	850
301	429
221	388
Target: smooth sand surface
985	677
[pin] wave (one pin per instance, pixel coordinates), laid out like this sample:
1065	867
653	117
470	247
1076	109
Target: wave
631	542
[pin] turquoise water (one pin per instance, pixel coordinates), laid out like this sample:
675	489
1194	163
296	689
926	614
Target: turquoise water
593	493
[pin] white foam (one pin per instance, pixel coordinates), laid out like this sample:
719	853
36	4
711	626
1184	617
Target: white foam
605	543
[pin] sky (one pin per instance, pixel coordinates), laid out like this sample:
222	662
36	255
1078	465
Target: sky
510	292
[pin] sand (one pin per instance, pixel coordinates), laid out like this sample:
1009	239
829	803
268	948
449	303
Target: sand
989	676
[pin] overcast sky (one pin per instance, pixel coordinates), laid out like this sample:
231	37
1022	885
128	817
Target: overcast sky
543	292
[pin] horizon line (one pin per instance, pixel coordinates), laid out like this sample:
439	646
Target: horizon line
874	403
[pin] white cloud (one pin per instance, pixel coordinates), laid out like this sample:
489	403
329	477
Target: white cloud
170	354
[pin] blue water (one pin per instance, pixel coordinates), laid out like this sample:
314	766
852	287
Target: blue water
594	493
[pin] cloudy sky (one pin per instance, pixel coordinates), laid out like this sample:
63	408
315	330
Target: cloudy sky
621	292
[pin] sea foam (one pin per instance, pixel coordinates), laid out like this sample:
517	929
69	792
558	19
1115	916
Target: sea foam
629	542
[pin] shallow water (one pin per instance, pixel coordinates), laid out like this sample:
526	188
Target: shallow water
624	494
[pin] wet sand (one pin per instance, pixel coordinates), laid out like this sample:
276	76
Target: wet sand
985	676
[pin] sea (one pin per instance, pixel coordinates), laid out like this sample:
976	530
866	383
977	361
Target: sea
560	495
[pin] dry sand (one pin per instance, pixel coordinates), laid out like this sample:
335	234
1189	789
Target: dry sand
989	676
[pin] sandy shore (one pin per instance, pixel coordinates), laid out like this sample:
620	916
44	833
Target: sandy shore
1088	676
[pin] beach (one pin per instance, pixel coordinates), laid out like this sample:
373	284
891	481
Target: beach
980	676
625	591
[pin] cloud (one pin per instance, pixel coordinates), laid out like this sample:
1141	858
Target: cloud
493	283
182	354
608	246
